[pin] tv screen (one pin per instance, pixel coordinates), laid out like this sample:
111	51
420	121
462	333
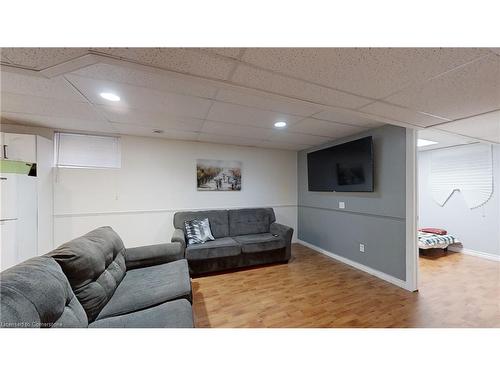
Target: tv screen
345	167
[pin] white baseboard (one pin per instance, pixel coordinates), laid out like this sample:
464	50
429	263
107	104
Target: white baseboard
475	253
381	275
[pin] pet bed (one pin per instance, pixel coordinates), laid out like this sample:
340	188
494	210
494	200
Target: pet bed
433	241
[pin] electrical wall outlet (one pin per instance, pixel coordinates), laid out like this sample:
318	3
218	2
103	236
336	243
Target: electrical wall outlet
342	205
362	247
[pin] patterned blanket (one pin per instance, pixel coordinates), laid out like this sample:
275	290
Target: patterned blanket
430	240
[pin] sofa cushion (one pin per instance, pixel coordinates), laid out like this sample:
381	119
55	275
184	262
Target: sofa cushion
174	314
94	265
220	247
198	231
218	219
250	221
150	286
254	243
36	293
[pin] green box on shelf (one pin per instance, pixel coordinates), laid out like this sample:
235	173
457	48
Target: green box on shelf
18	167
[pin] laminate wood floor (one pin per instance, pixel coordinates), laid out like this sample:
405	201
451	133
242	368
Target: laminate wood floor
313	290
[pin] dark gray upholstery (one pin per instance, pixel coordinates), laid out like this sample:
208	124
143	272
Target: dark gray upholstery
146	287
179	237
286	233
254	243
37	294
94	265
174	314
204	266
86	280
145	256
250	221
253	238
221	247
219	222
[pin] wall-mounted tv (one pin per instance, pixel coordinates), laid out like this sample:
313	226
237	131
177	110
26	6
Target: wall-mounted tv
345	167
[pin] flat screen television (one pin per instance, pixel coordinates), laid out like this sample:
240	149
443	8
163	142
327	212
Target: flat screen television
345	167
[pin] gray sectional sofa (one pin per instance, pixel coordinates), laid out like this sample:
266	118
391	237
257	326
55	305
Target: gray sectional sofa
93	281
243	237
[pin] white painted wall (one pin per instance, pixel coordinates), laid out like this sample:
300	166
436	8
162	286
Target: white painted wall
45	178
158	178
479	228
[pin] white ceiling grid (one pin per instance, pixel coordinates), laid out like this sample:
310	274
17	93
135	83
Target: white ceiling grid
235	95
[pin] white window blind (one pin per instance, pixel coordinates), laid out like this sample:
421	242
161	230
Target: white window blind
468	169
87	151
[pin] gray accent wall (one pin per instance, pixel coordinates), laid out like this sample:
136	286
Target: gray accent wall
377	219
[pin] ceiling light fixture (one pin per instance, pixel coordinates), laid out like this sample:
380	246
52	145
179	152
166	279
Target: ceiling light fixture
280	124
110	96
425	142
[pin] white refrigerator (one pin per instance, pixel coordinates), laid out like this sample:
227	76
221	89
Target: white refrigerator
18	218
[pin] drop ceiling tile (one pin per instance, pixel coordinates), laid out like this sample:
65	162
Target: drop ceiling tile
372	72
185	60
140	98
24	84
242	115
485	126
228	52
347	117
142	55
283	146
36	105
41	58
293	88
65	123
156	81
443	139
225	139
3	57
286	136
468	91
234	130
266	102
150	119
324	128
409	116
142	131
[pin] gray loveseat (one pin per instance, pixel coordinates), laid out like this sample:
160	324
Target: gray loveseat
243	237
93	281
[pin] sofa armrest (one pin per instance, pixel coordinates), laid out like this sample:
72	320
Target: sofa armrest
145	256
282	230
178	236
286	233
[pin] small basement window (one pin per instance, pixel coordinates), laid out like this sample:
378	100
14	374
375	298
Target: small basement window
86	151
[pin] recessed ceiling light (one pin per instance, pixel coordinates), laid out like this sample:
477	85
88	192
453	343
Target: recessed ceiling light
280	124
110	96
425	142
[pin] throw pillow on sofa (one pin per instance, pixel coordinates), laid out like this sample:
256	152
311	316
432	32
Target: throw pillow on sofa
198	231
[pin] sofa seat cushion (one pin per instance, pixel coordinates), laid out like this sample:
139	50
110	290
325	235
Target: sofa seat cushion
254	243
220	247
149	286
173	314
